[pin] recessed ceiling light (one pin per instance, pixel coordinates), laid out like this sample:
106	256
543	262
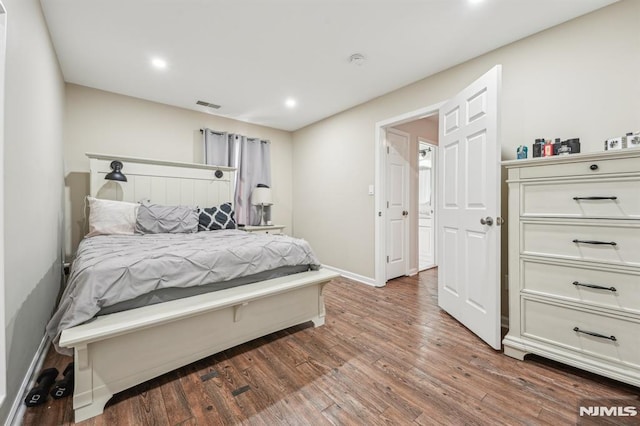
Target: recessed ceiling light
475	1
290	103
159	63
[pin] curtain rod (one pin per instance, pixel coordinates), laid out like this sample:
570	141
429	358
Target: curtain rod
212	131
222	133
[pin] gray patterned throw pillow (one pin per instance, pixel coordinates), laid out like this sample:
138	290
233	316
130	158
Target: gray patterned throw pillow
215	218
157	219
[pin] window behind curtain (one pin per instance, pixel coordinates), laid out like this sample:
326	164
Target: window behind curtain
252	159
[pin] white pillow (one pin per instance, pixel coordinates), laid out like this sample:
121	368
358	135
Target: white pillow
111	217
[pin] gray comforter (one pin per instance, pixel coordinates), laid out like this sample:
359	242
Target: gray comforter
109	269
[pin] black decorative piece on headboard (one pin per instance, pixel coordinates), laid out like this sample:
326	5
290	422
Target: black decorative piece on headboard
219	174
116	172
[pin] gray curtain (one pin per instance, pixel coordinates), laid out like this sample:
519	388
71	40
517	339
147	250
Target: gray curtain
252	159
218	148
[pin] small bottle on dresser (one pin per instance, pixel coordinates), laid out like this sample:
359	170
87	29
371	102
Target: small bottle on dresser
521	152
548	149
538	148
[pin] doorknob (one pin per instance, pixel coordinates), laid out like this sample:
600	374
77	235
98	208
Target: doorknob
488	221
405	213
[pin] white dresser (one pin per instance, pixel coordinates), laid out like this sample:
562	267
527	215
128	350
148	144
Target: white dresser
574	261
263	229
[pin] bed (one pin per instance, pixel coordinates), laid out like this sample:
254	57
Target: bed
119	350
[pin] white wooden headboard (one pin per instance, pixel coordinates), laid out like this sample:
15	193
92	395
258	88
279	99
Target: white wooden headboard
161	182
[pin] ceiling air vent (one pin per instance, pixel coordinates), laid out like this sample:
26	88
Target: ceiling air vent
208	105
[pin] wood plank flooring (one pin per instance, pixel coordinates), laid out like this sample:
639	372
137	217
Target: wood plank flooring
385	356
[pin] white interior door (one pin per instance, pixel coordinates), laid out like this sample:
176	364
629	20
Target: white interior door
397	191
468	208
425	242
426	205
3	44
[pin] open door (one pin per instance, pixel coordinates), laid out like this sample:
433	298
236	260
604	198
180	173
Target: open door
427	169
3	49
397	192
469	206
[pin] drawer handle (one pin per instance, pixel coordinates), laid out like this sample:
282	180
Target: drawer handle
593	167
600	243
591	333
595	198
599	287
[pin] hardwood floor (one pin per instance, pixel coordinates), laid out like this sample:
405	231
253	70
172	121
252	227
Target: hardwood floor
385	356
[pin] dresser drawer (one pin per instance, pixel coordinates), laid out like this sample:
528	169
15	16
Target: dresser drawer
621	290
611	198
582	168
274	231
555	324
263	229
569	241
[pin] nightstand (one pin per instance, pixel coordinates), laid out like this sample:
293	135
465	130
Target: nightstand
267	229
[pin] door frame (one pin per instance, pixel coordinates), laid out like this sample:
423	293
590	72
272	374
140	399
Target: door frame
380	183
3	52
406	196
434	196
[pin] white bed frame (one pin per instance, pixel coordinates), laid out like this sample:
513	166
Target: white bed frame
117	351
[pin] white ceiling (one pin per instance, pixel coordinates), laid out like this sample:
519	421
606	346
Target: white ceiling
250	55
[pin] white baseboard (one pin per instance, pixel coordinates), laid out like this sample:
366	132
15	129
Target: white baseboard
352	276
412	272
18	408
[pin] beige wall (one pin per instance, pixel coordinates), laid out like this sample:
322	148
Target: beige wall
104	122
426	129
33	182
579	79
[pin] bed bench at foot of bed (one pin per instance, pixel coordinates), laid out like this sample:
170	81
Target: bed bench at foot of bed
117	351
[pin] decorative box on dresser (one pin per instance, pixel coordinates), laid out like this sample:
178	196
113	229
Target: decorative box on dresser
574	261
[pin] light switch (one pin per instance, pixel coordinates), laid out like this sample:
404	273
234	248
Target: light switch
370	189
